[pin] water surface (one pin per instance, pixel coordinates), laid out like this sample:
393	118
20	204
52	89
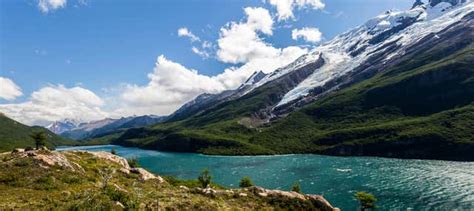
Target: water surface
398	184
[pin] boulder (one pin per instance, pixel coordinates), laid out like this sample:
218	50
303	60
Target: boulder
111	157
144	175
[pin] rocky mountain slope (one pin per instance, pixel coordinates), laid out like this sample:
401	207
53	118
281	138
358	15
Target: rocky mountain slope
400	85
14	134
99	180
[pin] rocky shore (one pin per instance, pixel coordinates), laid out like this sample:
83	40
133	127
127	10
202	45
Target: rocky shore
81	179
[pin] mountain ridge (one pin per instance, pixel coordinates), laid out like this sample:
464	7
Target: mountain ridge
336	99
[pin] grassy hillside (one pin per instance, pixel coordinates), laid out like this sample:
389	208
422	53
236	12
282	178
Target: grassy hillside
48	180
16	135
421	108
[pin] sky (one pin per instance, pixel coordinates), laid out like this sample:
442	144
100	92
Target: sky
91	59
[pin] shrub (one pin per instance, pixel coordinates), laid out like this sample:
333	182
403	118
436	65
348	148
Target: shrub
296	187
245	182
113	151
205	178
133	162
29	148
46	183
366	200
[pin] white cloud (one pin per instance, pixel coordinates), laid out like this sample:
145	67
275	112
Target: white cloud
240	42
184	32
172	84
8	89
259	19
201	53
53	103
285	7
46	6
308	34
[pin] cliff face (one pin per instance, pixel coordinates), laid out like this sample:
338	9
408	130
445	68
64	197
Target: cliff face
43	179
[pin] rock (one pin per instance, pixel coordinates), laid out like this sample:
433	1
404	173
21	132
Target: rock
243	195
317	200
209	191
183	187
18	150
144	175
52	159
118	204
31	153
124	171
118	188
111	157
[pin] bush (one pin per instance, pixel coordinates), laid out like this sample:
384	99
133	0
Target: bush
205	178
366	200
113	151
133	162
29	148
245	182
296	187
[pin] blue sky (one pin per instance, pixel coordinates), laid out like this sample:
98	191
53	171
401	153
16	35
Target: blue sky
109	47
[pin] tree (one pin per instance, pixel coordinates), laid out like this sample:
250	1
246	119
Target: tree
205	178
133	162
366	200
296	187
40	139
245	182
113	151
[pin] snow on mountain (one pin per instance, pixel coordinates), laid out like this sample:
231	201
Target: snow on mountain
59	127
349	50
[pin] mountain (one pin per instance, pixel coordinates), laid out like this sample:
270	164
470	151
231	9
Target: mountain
400	85
16	135
62	126
104	126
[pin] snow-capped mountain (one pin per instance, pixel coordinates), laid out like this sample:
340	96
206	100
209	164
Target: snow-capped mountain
75	130
348	58
61	126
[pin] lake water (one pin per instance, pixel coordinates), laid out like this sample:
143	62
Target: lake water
398	184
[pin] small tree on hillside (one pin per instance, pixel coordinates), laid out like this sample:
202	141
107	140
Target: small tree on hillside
366	200
39	138
205	178
245	182
296	187
113	151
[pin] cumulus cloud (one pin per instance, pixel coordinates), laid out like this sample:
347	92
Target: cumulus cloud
53	103
184	32
285	7
240	42
8	89
308	34
46	6
172	84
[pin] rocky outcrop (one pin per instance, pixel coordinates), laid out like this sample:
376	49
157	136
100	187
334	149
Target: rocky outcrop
46	158
316	200
144	175
110	157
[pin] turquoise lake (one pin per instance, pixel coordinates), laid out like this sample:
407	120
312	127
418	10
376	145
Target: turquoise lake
398	184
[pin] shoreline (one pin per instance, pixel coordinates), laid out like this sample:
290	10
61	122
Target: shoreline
271	155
